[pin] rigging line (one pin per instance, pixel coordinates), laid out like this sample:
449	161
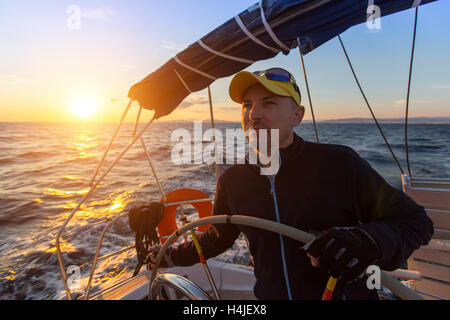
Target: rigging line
91	190
216	165
158	183
105	153
307	90
136	124
408	92
368	105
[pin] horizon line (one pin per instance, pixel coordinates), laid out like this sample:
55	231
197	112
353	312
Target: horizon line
401	120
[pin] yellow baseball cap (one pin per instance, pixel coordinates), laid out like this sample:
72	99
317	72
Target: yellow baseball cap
276	80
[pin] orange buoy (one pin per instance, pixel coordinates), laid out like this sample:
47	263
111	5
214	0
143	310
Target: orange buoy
168	224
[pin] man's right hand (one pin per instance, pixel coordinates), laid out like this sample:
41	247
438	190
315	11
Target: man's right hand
166	261
344	252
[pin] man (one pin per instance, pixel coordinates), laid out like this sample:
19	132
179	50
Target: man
324	189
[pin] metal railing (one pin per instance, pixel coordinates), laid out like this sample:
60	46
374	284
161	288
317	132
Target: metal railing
177	283
110	221
96	259
93	185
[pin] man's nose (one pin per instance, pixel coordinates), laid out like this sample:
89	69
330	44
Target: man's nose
255	112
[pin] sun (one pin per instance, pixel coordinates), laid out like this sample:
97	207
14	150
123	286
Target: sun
83	107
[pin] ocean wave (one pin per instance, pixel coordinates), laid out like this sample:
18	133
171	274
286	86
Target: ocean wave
90	160
5	161
418	148
56	183
15	213
393	145
42	170
36	154
17	220
51	193
70	181
160	153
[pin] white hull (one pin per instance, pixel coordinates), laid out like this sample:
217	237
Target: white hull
234	282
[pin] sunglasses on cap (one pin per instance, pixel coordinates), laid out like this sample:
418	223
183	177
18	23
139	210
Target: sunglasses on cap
278	74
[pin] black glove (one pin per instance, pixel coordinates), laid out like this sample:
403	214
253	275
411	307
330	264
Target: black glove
166	261
345	252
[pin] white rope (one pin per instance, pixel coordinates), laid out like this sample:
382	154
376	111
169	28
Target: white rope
182	81
110	143
161	190
194	70
223	55
269	29
136	124
252	37
216	165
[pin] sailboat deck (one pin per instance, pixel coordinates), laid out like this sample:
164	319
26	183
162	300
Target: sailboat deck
432	261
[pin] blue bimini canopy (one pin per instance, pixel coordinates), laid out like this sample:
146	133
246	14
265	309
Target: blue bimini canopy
258	33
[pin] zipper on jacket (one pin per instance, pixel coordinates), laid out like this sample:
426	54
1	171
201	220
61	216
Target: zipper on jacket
283	256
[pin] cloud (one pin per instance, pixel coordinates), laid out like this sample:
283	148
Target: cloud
169	45
103	13
441	86
402	102
229	108
14	80
192	101
128	66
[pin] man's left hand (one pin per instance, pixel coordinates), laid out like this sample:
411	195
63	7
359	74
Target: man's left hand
166	261
344	252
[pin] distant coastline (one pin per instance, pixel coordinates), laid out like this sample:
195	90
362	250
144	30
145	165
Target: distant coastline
436	120
412	120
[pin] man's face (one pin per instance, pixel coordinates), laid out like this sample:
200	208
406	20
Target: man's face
262	109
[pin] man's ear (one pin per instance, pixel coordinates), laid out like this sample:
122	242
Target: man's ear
299	114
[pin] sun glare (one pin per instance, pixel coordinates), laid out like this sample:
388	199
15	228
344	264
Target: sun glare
83	107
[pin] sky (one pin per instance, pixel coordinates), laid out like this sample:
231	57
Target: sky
57	69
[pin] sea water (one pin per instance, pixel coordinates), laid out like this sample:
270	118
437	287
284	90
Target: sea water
45	170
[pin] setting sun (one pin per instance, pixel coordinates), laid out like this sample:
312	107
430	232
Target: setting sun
83	107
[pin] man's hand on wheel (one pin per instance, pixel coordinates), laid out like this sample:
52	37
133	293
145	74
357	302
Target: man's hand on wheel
166	261
344	252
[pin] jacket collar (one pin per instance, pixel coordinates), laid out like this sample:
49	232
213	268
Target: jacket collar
295	147
286	154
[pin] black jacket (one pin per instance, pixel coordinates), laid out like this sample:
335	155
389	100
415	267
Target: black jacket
318	186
